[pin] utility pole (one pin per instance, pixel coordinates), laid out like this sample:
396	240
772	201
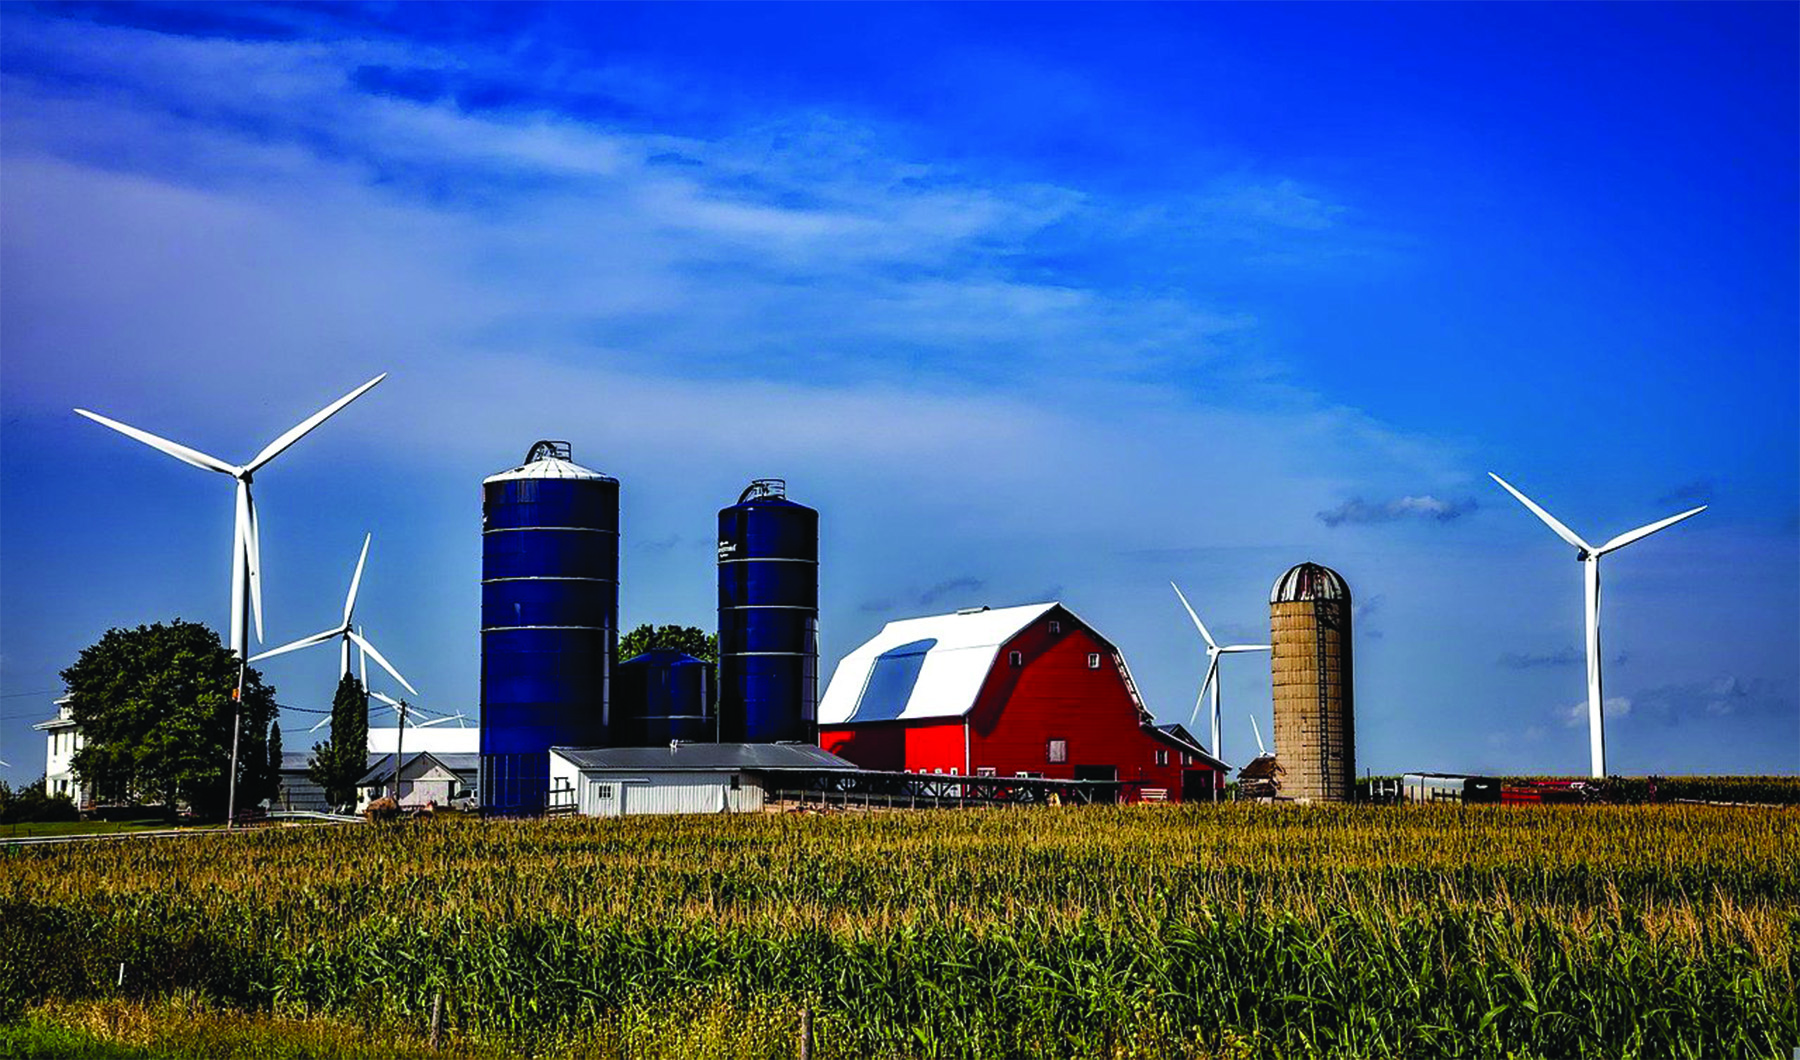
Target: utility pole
399	747
237	724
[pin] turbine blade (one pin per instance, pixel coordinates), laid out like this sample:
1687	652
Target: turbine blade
380	661
385	698
1258	731
253	553
303	642
1190	610
304	427
1228	649
322	723
356	579
174	449
362	663
1549	520
1645	531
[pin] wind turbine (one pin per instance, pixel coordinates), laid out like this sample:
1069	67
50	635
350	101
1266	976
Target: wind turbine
1261	751
346	633
1590	562
246	547
1213	651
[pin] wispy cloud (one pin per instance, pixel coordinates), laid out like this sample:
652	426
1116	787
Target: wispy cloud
1357	511
1613	707
1699	491
1562	657
958	587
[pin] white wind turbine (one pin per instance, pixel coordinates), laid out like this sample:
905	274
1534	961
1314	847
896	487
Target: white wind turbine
1590	562
246	548
1261	751
346	634
1213	651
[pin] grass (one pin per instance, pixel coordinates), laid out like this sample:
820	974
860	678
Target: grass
1202	931
57	828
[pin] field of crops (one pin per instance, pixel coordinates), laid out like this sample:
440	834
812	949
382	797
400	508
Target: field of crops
1146	932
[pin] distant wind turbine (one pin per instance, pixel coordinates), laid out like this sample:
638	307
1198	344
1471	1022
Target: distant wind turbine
246	547
1590	562
346	634
1213	651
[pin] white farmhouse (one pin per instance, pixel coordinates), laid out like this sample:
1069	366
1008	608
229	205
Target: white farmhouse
62	739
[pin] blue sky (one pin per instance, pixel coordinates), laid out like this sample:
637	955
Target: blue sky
1030	301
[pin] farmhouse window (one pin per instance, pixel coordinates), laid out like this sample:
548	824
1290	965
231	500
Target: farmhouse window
1059	751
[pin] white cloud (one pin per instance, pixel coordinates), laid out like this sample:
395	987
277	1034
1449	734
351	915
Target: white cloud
1614	707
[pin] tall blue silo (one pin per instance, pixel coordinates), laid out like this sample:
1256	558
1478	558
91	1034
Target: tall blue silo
549	619
768	617
662	696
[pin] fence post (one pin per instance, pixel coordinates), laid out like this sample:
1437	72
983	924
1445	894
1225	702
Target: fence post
806	1034
437	1017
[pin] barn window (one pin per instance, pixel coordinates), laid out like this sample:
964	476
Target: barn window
984	771
1059	750
1093	660
1015	658
737	782
1055	626
1162	758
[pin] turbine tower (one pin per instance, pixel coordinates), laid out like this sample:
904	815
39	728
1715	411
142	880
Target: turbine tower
246	548
1590	563
346	634
1213	651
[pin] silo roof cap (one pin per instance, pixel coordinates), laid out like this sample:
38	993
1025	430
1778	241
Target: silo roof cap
549	460
1309	581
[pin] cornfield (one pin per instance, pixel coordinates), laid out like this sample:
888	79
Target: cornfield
1236	930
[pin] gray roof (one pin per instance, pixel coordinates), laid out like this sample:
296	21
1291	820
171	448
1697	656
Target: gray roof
381	767
297	761
1177	733
723	757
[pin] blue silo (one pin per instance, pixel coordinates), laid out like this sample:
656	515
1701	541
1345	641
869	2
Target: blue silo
660	696
768	617
549	619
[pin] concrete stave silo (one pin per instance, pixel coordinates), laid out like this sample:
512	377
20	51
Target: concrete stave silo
1311	664
549	619
768	617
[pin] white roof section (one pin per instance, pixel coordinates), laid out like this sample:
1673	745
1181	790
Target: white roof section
549	467
953	670
438	740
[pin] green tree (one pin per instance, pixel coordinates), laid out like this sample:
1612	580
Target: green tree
271	789
338	763
156	708
696	642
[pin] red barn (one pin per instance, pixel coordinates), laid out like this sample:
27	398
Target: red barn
1018	691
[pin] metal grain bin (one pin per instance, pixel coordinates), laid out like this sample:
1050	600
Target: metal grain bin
549	619
1315	723
768	617
662	696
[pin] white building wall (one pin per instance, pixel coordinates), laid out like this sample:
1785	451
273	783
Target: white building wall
616	794
62	738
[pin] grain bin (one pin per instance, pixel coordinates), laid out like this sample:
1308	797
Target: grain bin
549	619
662	696
1315	723
768	617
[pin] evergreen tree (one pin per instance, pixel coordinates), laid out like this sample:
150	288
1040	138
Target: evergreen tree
338	763
156	705
272	777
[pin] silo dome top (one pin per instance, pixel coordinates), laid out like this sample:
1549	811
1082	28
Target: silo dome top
549	459
1309	581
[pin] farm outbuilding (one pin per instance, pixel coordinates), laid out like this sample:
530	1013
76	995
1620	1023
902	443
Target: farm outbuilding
1029	691
425	779
680	777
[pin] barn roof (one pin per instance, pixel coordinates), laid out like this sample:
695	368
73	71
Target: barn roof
917	668
381	770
